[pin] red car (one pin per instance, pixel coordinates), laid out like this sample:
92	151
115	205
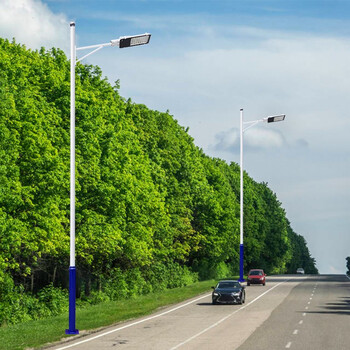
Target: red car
256	276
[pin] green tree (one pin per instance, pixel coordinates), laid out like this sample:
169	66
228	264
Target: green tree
152	209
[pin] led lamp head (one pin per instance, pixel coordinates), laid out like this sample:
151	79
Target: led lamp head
129	41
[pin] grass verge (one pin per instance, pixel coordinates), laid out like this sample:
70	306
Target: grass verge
34	334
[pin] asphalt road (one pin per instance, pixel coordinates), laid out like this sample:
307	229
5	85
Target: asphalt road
296	312
315	315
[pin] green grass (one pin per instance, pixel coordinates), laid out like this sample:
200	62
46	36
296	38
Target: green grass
34	334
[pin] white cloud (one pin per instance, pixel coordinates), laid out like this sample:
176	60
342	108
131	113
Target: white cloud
254	139
336	271
32	23
265	72
263	138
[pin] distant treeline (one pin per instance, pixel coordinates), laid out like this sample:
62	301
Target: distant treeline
151	210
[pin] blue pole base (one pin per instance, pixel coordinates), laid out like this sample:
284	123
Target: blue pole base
72	296
241	253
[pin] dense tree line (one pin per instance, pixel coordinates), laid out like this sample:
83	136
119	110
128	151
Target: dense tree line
151	209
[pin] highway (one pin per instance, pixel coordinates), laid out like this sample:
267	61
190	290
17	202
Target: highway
290	312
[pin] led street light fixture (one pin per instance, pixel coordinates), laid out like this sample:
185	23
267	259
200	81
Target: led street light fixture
128	41
277	118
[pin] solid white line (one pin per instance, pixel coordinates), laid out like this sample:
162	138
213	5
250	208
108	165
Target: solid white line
226	317
295	331
288	345
134	323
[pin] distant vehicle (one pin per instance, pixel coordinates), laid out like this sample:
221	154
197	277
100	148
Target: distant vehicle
300	270
256	276
228	292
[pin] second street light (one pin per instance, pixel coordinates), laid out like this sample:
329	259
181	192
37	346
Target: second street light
122	42
271	119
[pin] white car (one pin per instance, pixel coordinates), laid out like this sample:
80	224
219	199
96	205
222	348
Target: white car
300	271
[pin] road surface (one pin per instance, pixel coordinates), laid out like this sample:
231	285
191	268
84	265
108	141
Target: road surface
296	312
315	315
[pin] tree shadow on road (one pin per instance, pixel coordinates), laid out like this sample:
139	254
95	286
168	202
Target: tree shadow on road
342	307
211	304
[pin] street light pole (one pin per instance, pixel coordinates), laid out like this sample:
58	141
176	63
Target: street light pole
241	247
270	119
72	269
125	41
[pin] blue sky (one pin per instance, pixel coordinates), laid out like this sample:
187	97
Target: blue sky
208	59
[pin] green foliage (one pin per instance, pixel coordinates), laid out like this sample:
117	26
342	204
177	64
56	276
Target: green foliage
348	265
301	254
152	210
17	306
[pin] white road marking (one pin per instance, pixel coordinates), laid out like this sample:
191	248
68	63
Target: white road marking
310	298
295	331
162	314
134	323
304	314
306	307
288	345
226	317
301	322
309	302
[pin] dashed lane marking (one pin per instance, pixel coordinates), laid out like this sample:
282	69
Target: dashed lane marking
226	317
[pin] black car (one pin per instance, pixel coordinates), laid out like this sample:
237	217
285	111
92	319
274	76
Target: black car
228	291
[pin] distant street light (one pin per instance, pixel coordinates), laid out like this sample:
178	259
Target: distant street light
272	119
125	41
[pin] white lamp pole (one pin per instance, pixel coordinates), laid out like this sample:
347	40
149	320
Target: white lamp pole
272	119
125	41
72	270
241	249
